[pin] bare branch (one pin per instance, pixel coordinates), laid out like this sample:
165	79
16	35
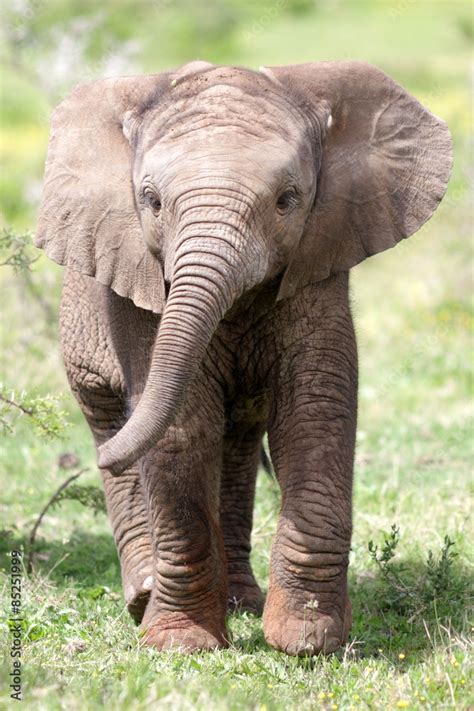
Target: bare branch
52	500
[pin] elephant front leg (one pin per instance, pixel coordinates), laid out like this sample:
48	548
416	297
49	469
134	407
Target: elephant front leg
128	515
126	507
181	474
242	450
96	375
129	518
312	445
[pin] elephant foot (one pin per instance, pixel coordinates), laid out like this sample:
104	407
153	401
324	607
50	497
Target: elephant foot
243	596
308	633
180	632
137	594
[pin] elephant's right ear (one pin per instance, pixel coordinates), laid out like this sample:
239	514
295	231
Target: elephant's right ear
88	218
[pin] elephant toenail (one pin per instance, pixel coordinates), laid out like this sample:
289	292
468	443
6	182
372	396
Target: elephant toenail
148	583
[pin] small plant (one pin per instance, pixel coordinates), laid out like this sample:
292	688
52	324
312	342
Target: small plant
45	415
405	594
387	552
439	572
397	590
88	495
15	250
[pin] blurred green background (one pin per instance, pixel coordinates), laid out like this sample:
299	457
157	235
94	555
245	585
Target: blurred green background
48	46
413	313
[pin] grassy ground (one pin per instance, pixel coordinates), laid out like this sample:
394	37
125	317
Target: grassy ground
410	643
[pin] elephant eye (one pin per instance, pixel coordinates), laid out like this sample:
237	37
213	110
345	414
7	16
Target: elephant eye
151	200
286	201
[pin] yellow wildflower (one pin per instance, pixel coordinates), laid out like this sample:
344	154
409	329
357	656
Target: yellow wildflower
402	704
401	655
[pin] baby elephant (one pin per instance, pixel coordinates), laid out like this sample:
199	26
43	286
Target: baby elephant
207	219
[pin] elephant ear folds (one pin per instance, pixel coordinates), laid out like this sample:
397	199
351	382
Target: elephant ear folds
88	219
386	162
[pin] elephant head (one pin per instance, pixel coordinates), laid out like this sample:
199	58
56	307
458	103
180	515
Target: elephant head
212	180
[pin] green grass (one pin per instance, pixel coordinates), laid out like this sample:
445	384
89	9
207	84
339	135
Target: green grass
414	316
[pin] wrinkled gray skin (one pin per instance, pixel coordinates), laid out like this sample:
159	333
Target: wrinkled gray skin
208	219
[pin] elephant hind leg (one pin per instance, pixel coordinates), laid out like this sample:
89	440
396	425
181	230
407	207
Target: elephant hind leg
242	452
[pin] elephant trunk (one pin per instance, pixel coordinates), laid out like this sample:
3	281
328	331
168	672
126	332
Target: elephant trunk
204	285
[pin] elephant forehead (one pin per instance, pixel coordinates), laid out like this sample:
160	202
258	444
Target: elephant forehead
219	107
225	151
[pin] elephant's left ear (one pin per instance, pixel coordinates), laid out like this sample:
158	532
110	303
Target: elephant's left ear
385	166
88	219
